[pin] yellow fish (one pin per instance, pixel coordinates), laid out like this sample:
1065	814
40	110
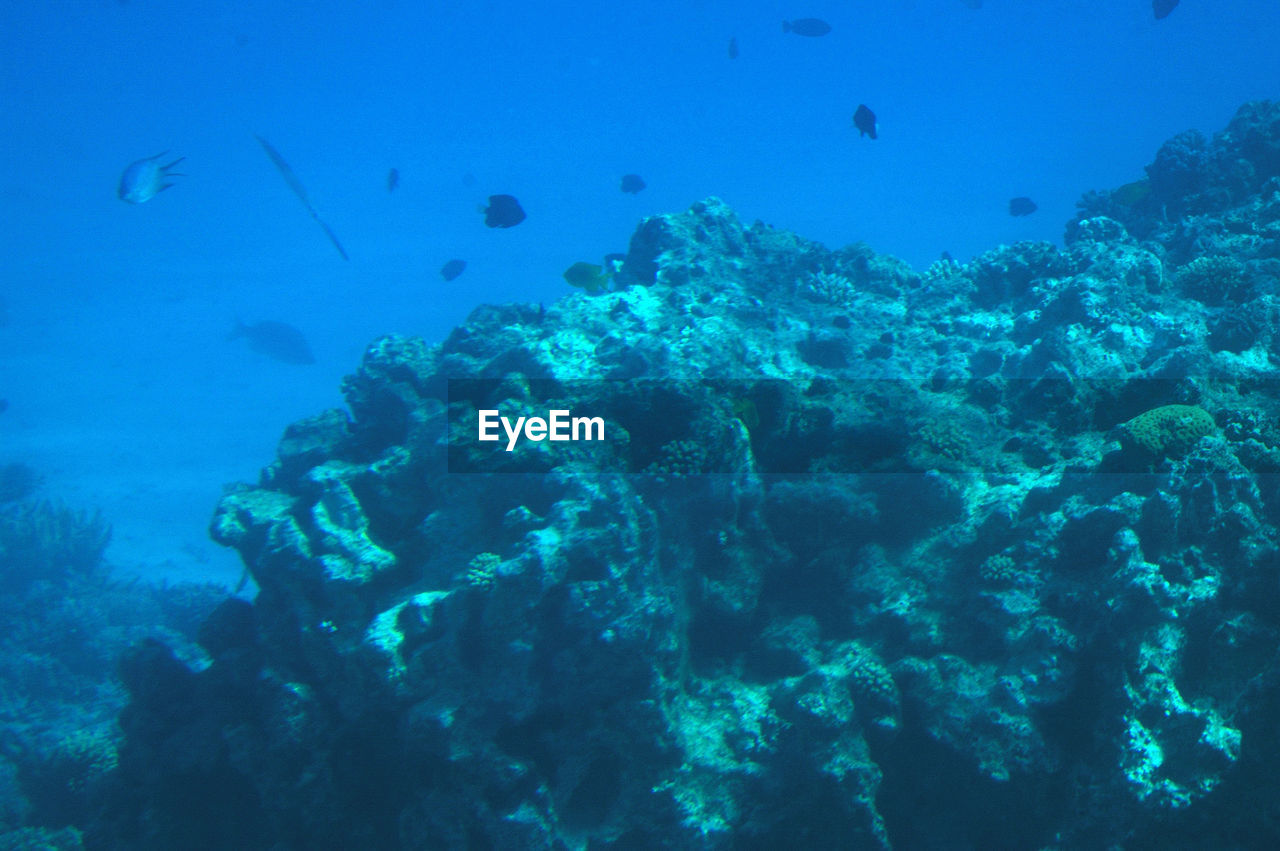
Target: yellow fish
587	276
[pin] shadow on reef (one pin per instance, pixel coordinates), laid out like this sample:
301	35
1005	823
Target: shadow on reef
982	556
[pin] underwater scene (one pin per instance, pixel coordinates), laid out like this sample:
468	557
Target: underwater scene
639	425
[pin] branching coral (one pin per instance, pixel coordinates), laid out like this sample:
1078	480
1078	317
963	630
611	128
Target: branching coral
1214	280
44	540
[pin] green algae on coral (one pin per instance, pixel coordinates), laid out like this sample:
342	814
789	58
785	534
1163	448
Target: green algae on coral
482	569
1170	430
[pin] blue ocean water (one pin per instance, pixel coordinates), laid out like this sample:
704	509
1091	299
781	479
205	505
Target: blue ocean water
978	612
122	390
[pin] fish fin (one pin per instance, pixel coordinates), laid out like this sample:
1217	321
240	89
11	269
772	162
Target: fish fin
172	164
165	186
163	153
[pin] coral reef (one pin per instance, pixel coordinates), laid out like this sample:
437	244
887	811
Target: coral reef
1206	196
43	540
67	622
859	538
1169	429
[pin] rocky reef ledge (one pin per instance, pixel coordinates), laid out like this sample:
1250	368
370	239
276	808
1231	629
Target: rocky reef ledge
983	556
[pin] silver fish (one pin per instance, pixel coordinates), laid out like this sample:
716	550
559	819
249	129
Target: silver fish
146	178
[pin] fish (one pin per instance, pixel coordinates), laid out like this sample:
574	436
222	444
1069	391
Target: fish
277	340
1132	194
296	185
587	276
865	120
973	4
453	269
393	179
146	178
1022	206
632	183
811	27
733	47
4	405
1162	8
504	211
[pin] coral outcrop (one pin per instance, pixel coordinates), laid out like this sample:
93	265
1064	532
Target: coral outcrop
868	558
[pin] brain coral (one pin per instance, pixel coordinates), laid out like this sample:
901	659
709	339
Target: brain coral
1169	429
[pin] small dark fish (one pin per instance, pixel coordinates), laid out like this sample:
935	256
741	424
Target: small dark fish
453	269
733	47
4	405
632	183
146	178
393	179
1022	206
1162	8
865	120
503	212
811	27
276	340
587	276
946	257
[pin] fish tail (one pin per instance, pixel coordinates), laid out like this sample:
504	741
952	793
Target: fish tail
333	237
